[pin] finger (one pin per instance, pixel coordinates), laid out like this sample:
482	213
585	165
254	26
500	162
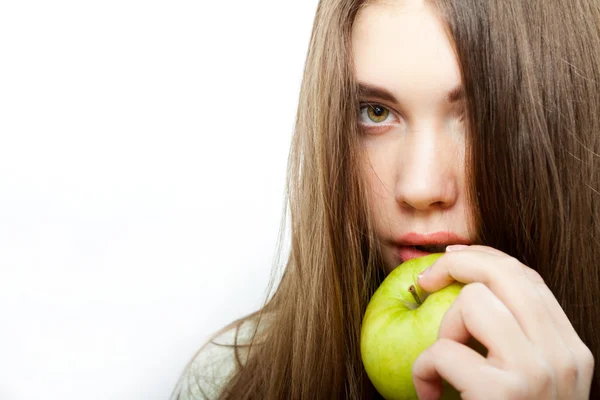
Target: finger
486	249
508	279
436	277
534	306
559	317
440	360
466	266
425	276
563	350
478	313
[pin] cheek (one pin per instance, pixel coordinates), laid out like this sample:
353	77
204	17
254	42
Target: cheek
379	174
379	178
377	189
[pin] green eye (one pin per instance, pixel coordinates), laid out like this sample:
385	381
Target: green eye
377	113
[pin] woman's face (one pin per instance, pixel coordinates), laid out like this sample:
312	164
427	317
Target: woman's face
412	115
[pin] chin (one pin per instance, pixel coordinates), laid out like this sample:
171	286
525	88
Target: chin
390	262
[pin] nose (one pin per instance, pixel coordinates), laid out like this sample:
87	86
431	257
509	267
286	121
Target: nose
427	179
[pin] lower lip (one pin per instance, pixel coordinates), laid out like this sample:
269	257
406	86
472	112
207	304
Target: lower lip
409	252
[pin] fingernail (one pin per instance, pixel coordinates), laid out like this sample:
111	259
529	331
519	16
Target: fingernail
456	247
423	273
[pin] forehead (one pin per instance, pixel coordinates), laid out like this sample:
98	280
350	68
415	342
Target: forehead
403	46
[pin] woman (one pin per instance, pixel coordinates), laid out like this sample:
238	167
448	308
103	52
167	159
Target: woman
476	119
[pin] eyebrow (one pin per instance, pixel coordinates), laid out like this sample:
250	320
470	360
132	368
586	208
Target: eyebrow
365	90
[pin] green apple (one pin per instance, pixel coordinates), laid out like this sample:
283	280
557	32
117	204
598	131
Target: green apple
400	322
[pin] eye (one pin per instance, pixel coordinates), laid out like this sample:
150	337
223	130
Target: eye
375	115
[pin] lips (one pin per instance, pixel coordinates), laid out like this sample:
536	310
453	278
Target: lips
413	245
405	253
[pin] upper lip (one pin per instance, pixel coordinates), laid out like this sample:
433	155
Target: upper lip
436	238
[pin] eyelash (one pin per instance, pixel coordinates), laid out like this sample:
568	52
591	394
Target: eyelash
365	105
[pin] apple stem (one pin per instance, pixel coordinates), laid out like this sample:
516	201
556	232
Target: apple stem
413	291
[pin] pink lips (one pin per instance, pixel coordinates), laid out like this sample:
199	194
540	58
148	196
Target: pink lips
406	253
404	246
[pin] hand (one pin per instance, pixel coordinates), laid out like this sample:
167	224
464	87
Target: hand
533	350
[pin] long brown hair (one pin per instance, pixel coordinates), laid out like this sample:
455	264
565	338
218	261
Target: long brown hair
531	70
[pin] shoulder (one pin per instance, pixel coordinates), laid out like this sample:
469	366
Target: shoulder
216	362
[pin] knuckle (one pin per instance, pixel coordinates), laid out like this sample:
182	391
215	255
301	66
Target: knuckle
441	346
469	296
533	380
534	276
516	267
587	361
441	349
541	378
513	265
477	295
477	298
568	374
516	388
452	261
472	291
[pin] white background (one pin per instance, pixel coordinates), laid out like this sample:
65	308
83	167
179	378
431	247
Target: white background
142	168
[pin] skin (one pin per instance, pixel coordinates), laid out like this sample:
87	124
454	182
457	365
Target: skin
416	169
416	157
